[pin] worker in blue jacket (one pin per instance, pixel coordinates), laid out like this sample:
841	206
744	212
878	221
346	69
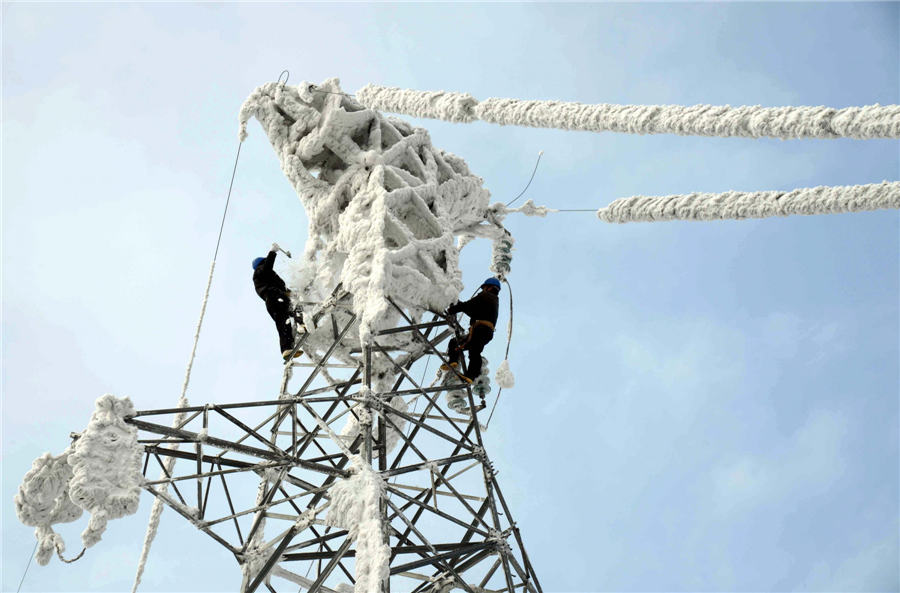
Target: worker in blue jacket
271	289
482	311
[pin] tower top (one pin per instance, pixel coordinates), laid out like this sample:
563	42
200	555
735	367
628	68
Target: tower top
385	206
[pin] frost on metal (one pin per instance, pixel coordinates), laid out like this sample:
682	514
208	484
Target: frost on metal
384	205
529	208
100	473
356	506
360	415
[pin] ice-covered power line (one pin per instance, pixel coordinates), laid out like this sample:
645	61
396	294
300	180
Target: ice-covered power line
737	205
759	204
749	121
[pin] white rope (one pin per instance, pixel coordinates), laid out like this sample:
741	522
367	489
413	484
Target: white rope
761	204
156	511
871	121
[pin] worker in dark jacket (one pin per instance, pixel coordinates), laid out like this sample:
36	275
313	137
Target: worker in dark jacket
482	311
270	288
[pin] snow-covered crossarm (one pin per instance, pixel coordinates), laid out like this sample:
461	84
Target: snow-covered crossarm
100	473
761	204
749	121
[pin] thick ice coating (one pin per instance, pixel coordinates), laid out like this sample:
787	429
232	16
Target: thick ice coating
43	500
356	507
100	473
384	205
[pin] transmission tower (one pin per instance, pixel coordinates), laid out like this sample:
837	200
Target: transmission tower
256	476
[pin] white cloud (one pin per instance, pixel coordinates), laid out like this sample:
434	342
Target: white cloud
806	465
790	336
876	567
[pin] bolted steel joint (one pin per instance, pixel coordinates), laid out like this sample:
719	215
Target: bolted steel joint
373	402
498	538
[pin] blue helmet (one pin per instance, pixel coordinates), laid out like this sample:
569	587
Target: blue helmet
258	261
491	282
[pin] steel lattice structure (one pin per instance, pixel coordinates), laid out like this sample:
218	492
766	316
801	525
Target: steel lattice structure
255	475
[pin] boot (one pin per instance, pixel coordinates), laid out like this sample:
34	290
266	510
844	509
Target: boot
287	354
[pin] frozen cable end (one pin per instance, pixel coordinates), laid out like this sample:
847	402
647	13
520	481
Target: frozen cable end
504	377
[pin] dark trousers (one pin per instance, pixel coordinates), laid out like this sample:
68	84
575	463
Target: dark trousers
279	309
474	342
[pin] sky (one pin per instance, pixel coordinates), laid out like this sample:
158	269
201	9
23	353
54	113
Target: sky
698	406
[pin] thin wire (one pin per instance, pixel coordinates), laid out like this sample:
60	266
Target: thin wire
228	199
27	566
315	90
75	559
416	403
286	78
421	382
308	570
538	162
506	356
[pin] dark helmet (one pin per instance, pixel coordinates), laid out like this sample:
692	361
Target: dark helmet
258	261
491	282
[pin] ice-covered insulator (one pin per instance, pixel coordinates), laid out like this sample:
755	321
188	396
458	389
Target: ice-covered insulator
501	255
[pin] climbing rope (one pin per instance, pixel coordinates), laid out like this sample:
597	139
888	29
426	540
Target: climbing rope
156	511
749	121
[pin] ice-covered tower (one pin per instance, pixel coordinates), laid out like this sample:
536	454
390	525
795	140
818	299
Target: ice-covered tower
353	479
355	474
385	207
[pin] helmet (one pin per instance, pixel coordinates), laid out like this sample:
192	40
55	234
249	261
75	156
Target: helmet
491	282
258	261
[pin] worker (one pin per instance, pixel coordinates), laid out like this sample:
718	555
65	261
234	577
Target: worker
271	289
482	312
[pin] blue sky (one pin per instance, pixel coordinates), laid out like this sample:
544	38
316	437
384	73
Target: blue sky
699	406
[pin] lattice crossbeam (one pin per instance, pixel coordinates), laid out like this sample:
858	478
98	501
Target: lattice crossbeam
256	476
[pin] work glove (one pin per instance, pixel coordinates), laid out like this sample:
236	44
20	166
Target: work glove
275	247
